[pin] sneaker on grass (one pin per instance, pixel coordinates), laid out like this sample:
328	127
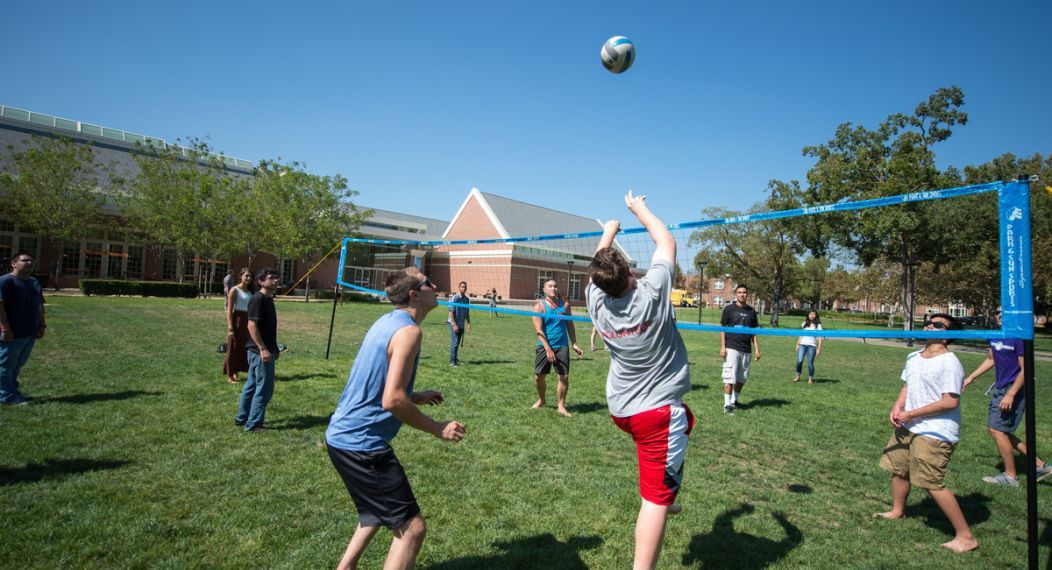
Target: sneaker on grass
1002	479
1044	471
729	409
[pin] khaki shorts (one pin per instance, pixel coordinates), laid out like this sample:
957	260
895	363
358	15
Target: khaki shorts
919	458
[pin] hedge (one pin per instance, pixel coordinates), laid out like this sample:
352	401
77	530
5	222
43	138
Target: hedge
106	287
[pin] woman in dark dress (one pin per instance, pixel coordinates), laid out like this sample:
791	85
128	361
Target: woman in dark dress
237	325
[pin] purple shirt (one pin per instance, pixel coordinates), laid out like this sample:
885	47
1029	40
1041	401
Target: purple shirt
1006	359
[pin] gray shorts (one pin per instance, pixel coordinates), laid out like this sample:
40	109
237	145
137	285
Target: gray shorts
1006	422
736	366
541	365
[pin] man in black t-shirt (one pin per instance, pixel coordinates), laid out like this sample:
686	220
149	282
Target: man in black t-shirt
262	346
736	349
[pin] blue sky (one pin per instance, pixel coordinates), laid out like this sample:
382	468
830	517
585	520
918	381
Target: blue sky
417	102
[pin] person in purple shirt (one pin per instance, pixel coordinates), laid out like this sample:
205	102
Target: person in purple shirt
1006	405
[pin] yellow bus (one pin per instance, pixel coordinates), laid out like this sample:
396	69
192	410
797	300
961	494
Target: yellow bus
682	298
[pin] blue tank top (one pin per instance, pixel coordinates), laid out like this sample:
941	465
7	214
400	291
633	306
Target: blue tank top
360	423
554	329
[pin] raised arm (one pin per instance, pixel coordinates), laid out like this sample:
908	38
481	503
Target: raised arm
610	230
665	244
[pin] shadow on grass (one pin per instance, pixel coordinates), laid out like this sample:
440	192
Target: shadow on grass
801	489
473	362
541	551
1046	540
826	381
694	387
586	408
102	397
763	403
716	548
973	506
300	422
299	377
55	469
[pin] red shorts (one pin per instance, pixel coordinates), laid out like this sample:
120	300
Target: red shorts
661	445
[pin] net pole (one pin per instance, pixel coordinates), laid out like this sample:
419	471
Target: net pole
1031	454
332	319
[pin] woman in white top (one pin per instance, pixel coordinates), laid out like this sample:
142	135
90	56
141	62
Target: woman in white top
808	347
237	325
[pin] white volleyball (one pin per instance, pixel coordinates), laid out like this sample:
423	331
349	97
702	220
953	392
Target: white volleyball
617	54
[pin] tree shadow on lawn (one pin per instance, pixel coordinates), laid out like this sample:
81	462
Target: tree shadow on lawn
973	506
55	469
1046	540
540	551
763	403
724	544
300	423
472	362
101	397
825	381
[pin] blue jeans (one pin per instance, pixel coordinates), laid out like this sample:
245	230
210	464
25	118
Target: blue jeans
13	356
259	387
455	340
808	352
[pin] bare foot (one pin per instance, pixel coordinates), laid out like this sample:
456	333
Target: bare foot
232	380
563	412
961	545
797	379
890	515
538	404
810	380
674	509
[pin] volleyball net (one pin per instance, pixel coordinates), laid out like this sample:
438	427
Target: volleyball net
505	275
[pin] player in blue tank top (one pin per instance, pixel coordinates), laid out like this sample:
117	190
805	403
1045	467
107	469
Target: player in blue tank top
377	400
554	337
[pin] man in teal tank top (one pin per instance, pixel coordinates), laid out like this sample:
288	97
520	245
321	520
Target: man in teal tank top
377	400
554	339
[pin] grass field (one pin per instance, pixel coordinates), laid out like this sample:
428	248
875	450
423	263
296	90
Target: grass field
129	457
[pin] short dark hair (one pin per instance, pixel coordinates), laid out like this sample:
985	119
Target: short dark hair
464	283
266	272
15	257
741	286
954	323
399	284
609	271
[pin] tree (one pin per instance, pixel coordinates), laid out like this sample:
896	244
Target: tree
302	215
183	198
761	254
55	188
896	158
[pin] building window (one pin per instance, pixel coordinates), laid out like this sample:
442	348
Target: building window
717	300
93	259
285	271
133	269
169	265
115	260
575	287
718	284
958	310
15	239
543	275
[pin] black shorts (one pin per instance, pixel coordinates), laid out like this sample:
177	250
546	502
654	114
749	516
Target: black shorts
378	486
562	361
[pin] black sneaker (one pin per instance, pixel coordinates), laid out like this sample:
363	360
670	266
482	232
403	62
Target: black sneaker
729	408
237	423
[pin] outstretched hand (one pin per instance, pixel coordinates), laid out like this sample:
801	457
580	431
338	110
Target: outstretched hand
635	203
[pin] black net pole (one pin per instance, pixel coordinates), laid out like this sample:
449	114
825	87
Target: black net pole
332	319
1031	454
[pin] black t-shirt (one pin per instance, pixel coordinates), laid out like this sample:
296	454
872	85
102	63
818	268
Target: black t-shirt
735	316
261	310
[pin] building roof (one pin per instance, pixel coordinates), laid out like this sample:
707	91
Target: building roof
385	224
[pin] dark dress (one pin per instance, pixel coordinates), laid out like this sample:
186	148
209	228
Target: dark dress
236	357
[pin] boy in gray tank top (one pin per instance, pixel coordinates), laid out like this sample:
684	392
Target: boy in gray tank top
648	370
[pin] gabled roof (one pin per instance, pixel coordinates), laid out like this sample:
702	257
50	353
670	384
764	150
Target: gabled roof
515	219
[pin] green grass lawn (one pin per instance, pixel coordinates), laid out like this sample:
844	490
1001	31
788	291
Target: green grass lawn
129	457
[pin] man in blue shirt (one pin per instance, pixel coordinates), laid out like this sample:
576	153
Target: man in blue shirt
554	339
21	324
378	398
459	322
1006	405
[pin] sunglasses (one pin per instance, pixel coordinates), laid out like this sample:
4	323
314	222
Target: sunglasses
997	313
937	325
425	283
